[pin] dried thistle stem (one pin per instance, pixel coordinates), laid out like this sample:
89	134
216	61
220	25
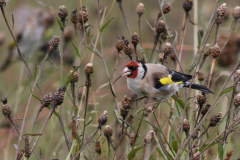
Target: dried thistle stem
124	17
114	74
211	71
139	26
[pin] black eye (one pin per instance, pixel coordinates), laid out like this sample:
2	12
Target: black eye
133	68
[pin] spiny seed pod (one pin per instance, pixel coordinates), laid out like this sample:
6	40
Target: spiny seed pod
201	99
187	5
186	125
120	45
126	102
130	119
195	134
102	120
215	119
46	100
221	11
53	43
161	57
205	109
200	76
140	9
128	51
236	75
74	17
98	147
150	107
89	68
6	110
20	154
236	100
229	155
108	131
62	13
83	16
236	12
124	112
160	27
75	76
58	96
132	138
208	52
135	39
167	48
166	8
172	57
74	127
215	51
27	149
149	137
196	155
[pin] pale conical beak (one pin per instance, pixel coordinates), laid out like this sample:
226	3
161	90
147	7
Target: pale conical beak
126	72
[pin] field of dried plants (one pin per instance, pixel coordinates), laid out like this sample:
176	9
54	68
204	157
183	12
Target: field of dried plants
64	95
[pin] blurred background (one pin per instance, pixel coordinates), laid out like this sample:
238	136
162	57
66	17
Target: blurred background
34	21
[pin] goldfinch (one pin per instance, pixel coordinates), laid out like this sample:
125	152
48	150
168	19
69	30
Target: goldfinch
155	80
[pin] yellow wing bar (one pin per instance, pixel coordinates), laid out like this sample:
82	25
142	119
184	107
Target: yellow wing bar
168	80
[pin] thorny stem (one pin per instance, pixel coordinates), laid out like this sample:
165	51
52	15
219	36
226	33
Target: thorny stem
233	28
124	17
139	26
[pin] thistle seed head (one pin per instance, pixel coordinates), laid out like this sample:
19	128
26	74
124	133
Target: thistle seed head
236	12
53	43
132	138
187	5
62	13
166	8
140	9
126	102
6	110
102	120
128	51
215	51
98	147
27	148
221	11
89	69
167	48
135	39
83	17
120	45
124	112
172	57
75	76
186	125
196	134
74	17
130	119
200	76
236	100
215	119
201	99
160	27
161	57
150	107
205	109
236	75
108	131
46	100
74	127
58	96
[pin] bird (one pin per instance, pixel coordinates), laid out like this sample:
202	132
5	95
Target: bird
157	81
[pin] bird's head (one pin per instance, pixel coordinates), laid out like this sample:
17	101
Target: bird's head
135	69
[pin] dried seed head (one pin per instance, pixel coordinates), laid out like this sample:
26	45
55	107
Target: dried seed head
120	45
149	137
167	48
135	39
236	100
27	149
108	131
236	12
46	100
89	68
166	8
195	134
74	17
186	125
201	99
172	57
236	75
130	119
62	13
161	57
150	107
160	27
126	102
229	155
215	51
187	5
53	43
98	147
124	112
196	155
221	11
6	110
20	154
68	35
140	9
205	109
215	119
2	3
75	76
58	96
102	120
200	76
74	127
132	138
208	52
128	51
83	17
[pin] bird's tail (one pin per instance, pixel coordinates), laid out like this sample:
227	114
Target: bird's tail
198	87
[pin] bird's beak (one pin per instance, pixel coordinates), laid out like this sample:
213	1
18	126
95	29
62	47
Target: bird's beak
126	72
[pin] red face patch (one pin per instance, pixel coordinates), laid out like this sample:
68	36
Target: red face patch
133	66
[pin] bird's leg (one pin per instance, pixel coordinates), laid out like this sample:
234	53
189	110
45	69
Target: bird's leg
139	99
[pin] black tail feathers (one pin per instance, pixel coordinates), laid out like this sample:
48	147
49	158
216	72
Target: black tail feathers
198	87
